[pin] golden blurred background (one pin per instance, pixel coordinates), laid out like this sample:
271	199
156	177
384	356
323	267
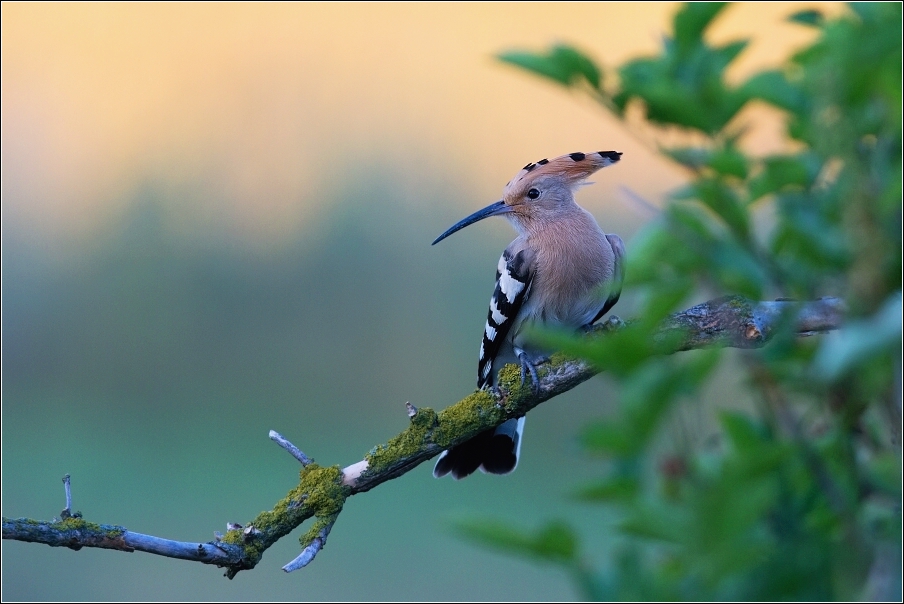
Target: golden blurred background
216	222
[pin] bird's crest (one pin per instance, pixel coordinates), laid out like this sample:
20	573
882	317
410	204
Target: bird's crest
573	167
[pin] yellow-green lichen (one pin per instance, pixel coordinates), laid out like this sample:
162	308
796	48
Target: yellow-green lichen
425	418
324	489
560	358
478	411
406	444
739	303
71	531
319	493
74	523
253	549
509	380
455	420
28	521
315	531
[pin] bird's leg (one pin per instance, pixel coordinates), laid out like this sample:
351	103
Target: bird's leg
529	365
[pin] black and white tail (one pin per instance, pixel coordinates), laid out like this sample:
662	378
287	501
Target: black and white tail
494	451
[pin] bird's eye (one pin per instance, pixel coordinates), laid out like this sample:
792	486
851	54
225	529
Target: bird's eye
533	194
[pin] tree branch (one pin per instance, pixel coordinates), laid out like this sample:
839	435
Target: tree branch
730	321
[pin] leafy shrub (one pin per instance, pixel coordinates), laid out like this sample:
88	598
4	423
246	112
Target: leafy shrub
802	500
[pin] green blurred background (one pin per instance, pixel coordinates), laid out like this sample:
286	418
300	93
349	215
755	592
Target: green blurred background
217	222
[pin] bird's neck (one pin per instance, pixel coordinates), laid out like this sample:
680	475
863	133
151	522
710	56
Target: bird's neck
566	222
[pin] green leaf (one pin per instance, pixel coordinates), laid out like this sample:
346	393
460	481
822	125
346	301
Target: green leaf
723	201
659	260
691	217
861	340
884	472
811	17
736	270
741	430
557	540
609	438
726	160
691	21
785	171
657	521
562	64
697	367
728	53
617	488
647	394
554	542
874	13
693	157
685	90
661	303
756	460
729	162
619	352
773	88
807	241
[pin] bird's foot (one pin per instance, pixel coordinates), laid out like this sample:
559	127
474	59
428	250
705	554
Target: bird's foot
529	366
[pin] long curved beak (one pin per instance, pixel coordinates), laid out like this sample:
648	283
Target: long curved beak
494	209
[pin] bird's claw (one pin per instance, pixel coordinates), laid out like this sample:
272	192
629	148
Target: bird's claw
529	366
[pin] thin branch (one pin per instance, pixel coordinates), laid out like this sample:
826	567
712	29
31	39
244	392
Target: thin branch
67	486
729	322
280	440
307	555
76	533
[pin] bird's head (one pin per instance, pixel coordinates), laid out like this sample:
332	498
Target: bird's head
541	190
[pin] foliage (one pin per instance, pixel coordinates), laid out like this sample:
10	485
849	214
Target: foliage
802	498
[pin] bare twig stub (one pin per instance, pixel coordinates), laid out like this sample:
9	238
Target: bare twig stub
280	440
307	555
730	321
67	486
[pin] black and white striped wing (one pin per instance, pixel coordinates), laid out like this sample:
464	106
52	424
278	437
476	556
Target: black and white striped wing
513	279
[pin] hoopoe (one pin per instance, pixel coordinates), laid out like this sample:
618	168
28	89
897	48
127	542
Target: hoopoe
561	271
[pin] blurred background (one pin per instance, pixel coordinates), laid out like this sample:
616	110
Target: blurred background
216	221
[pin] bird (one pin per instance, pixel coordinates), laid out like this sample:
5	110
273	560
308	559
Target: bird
561	271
